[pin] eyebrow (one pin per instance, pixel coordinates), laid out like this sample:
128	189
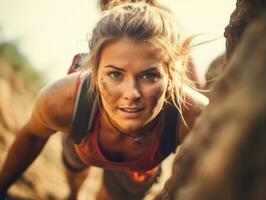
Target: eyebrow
120	69
114	67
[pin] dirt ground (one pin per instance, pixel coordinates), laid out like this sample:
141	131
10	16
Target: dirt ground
45	177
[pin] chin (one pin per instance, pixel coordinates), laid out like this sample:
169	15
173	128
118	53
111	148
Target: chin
132	127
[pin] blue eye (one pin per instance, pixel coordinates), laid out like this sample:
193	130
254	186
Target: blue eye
115	75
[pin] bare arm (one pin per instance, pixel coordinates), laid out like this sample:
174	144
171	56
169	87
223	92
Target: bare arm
23	151
50	114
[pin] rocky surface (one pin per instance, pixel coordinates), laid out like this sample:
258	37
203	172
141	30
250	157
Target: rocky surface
224	155
245	12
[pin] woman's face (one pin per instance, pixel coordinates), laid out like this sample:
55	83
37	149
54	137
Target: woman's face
132	82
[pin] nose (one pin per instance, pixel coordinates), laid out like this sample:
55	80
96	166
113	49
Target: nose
131	91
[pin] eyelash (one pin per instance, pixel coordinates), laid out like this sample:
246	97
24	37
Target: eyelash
149	76
114	75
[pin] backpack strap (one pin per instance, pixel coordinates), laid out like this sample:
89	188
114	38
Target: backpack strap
85	109
77	62
169	139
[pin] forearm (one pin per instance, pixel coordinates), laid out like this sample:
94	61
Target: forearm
22	152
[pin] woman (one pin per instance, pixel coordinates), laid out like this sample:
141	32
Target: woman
134	76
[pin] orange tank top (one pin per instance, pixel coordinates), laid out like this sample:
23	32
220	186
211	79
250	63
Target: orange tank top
90	152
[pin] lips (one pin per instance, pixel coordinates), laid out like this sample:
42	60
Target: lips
131	109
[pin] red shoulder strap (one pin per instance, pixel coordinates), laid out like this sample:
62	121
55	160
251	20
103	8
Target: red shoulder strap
77	63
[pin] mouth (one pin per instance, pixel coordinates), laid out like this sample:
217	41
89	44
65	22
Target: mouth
131	109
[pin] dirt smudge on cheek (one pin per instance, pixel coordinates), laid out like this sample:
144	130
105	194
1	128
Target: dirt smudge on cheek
106	90
156	97
105	87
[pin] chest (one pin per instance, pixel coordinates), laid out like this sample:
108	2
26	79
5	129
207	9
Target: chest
120	148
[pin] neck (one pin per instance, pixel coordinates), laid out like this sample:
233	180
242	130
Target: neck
137	135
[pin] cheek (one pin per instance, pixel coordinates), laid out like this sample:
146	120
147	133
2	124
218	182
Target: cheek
104	89
107	91
156	95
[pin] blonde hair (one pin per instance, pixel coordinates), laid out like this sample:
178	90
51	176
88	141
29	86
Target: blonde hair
142	22
107	4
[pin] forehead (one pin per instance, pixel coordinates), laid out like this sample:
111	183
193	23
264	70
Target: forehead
126	50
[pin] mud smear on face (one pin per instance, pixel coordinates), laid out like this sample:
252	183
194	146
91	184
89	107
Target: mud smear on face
157	100
106	93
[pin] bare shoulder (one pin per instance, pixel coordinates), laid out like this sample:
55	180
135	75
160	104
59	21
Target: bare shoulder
195	103
54	105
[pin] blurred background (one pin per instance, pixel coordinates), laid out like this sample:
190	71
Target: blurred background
50	32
